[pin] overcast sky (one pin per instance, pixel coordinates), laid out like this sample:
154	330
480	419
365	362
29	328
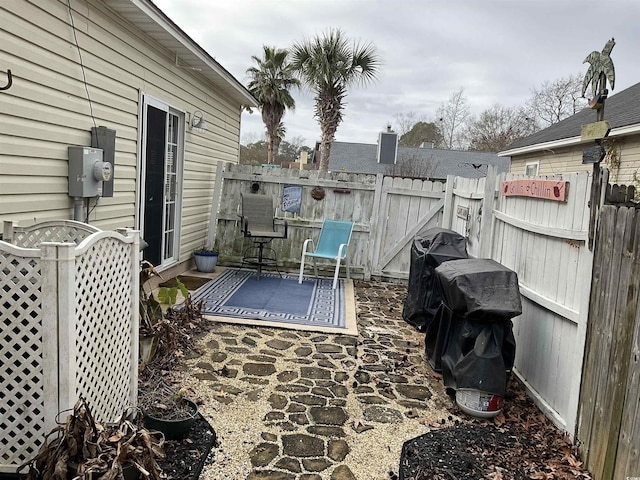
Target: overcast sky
497	50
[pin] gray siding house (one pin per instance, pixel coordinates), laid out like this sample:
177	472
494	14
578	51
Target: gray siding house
558	148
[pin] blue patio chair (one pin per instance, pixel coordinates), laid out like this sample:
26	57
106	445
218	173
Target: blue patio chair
332	245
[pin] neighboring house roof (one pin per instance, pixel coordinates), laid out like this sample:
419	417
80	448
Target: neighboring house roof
188	54
362	158
621	110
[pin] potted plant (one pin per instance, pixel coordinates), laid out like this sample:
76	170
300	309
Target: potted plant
83	449
168	411
206	259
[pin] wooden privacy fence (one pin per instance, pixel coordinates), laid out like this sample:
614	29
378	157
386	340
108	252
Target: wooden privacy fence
387	212
69	325
609	420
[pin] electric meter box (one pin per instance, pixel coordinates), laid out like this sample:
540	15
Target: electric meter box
87	171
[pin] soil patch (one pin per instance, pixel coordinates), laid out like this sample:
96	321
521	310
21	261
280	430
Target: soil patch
184	459
520	443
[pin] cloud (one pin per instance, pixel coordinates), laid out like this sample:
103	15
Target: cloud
497	50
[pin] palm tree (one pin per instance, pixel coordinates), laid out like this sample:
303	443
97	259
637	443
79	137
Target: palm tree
278	136
271	82
328	65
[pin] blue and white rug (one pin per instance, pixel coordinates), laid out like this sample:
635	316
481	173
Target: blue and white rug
276	301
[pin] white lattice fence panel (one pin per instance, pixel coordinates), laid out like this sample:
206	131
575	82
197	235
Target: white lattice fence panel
103	329
64	231
22	413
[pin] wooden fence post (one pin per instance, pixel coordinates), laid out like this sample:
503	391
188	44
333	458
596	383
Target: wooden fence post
135	314
448	202
486	219
135	310
213	219
374	225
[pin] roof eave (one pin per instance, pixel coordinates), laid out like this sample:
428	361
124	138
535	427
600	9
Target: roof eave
183	46
567	142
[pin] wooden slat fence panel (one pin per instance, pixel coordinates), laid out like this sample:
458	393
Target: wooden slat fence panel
628	454
388	213
609	427
407	208
356	206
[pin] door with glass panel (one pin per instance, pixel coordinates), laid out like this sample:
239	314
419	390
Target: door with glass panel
160	181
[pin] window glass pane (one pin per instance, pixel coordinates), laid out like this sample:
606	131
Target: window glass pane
531	169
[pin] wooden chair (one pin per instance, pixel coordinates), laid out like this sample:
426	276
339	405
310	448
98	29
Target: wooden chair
332	245
258	223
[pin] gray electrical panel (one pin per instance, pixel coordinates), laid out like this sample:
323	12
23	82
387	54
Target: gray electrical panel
87	171
105	139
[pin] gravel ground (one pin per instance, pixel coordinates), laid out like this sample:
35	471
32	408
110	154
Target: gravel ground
289	405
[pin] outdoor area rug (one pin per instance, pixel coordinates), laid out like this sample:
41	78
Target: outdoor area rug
238	296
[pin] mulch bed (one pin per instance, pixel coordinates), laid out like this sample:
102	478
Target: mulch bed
184	459
520	443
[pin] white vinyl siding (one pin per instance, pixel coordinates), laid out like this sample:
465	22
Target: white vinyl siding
569	160
46	110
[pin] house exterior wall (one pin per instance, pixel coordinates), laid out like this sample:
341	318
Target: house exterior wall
47	110
569	160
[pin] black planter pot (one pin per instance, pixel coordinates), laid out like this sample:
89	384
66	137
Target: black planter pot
172	429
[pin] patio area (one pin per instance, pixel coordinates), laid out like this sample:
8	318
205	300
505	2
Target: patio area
296	405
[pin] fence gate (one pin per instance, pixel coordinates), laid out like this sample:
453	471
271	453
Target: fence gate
403	208
545	242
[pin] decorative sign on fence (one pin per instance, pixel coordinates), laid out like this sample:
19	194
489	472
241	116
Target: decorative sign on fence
546	189
291	198
462	212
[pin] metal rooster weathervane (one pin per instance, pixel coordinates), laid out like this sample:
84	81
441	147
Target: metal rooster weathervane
600	70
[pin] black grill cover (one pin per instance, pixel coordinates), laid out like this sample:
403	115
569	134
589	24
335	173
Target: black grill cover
480	289
471	341
436	246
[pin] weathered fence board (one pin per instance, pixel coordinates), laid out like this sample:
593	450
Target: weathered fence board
464	215
628	454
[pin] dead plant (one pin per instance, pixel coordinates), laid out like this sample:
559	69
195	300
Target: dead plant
99	451
158	399
174	328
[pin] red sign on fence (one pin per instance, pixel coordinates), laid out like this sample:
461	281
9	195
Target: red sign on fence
547	189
